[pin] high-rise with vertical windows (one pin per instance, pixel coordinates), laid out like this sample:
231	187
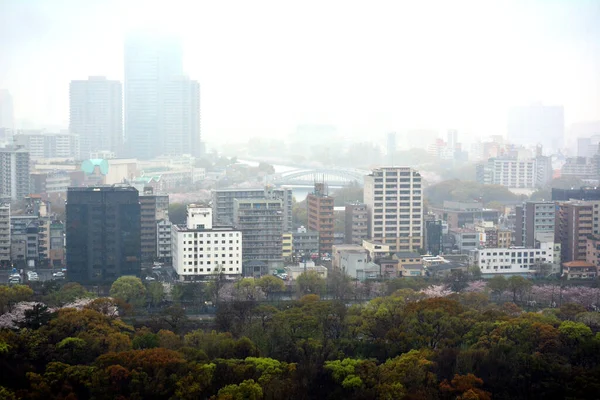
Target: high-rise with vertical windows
321	217
162	107
14	173
260	221
394	198
575	221
356	226
534	222
102	233
180	126
4	232
154	207
96	115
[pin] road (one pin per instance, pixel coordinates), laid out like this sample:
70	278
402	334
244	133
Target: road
43	274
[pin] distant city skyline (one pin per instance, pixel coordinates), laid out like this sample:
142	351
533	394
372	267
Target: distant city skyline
366	70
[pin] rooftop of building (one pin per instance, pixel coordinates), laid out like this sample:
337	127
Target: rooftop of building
417	267
462	230
349	248
407	254
184	228
103	188
578	264
300	268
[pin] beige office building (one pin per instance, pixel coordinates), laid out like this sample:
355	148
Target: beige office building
394	199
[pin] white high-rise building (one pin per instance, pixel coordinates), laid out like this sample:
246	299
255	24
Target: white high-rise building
96	115
394	199
4	232
150	63
42	144
181	117
201	251
14	173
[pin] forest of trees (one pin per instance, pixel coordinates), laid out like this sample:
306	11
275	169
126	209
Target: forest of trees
415	343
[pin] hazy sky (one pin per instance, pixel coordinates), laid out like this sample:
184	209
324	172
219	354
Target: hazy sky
367	67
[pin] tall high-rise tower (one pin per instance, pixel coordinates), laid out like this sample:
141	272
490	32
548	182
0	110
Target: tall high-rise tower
394	200
96	115
103	233
151	64
180	126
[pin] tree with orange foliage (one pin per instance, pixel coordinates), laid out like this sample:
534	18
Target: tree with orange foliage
464	387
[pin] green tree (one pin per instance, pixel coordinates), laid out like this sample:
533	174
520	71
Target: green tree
156	293
247	390
497	285
340	284
270	284
11	295
457	280
177	213
310	282
518	286
36	317
68	293
130	289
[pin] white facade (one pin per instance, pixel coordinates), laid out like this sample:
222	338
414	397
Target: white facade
14	173
199	217
4	232
48	145
200	251
509	172
199	254
394	199
96	115
514	260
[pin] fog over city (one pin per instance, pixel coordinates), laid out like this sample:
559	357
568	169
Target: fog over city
265	67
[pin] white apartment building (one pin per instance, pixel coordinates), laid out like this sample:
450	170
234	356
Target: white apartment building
201	251
164	229
14	173
4	232
509	172
513	260
41	144
394	199
96	114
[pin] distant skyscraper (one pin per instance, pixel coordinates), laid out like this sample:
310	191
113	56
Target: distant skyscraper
96	115
103	233
42	144
537	124
150	63
180	125
452	139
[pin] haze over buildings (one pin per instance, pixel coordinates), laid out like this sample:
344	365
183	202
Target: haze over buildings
243	76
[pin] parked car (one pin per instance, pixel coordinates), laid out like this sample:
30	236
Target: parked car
32	276
58	274
14	280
